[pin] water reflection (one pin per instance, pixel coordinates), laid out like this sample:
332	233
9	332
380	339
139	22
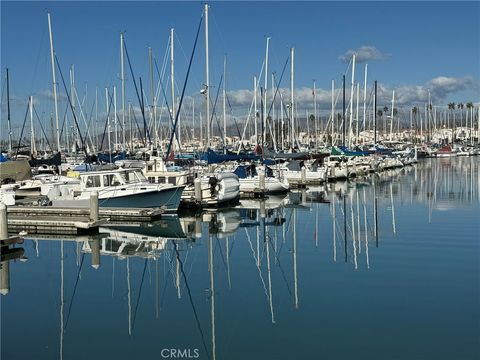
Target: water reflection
9	251
196	270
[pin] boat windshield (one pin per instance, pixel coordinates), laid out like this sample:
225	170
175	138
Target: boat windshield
133	177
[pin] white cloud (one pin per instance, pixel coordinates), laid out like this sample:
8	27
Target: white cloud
410	94
441	86
49	96
364	53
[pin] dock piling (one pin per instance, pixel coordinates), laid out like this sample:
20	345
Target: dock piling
94	212
3	222
198	190
261	178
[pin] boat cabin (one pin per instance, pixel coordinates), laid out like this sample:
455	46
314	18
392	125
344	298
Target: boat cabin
102	179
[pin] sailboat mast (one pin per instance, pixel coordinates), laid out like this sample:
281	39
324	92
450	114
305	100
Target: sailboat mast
172	79
54	82
375	115
282	121
32	131
344	127
292	113
255	108
333	110
365	98
72	90
357	135
315	113
152	97
115	123
108	122
96	117
207	79
264	138
193	118
8	115
122	75
351	100
274	121
225	103
391	116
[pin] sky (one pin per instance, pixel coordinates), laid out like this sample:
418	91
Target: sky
411	47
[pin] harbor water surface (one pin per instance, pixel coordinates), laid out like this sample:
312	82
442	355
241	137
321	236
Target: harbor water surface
385	267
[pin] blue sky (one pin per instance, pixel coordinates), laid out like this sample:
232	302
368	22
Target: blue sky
420	45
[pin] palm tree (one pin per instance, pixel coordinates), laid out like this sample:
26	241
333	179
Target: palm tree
460	106
414	115
451	106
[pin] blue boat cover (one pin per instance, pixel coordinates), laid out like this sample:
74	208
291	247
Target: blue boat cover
347	152
105	158
212	157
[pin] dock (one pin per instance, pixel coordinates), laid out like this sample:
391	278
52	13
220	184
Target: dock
111	214
68	220
254	194
52	220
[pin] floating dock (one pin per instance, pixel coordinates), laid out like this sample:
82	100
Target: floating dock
56	220
111	214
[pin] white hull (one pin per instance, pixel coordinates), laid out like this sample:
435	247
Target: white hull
311	177
224	189
272	185
7	194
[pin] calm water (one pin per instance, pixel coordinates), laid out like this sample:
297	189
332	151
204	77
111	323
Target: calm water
330	273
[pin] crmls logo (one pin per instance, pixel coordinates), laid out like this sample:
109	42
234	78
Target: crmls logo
180	353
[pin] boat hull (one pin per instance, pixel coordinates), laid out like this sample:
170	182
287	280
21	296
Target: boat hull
168	198
272	185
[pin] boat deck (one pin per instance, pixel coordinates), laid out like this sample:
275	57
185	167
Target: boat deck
54	220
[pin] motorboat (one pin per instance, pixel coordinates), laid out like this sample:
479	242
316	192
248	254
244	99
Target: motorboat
117	188
262	180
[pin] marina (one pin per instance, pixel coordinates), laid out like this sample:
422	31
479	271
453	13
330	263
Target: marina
224	281
227	194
